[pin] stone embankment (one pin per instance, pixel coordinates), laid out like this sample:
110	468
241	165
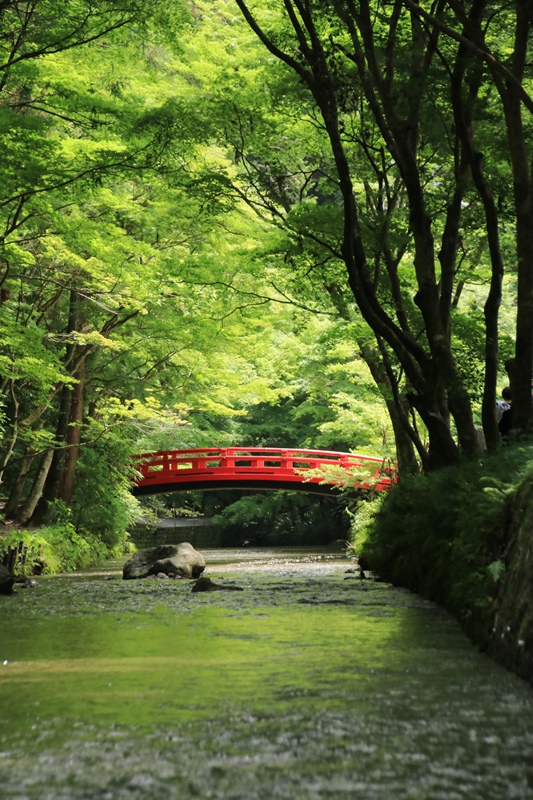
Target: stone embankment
511	637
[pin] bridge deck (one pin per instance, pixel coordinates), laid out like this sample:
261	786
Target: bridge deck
256	468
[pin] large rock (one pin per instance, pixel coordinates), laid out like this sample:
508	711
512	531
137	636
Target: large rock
175	560
6	580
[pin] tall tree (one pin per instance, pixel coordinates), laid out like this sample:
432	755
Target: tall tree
96	228
494	44
397	91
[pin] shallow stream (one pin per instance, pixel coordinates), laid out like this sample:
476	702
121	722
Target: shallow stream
309	683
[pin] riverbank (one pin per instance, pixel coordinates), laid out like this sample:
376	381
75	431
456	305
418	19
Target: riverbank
510	638
463	538
54	548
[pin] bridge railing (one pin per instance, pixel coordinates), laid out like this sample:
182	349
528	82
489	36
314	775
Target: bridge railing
253	463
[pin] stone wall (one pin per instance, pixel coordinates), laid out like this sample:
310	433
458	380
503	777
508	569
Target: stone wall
511	638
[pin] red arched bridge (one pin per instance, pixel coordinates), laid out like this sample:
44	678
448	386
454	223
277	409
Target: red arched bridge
258	468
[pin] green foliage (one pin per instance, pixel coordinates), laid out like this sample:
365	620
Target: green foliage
67	550
282	519
57	547
171	222
496	570
327	397
300	159
102	507
362	516
443	534
75	547
30	552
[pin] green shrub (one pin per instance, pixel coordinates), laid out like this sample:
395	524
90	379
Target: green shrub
443	534
28	552
362	515
103	507
57	547
281	519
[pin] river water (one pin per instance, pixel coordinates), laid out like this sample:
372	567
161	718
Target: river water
308	684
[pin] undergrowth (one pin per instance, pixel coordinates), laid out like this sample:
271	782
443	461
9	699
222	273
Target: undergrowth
443	534
57	547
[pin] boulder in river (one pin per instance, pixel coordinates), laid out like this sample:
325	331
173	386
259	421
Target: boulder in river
175	560
6	580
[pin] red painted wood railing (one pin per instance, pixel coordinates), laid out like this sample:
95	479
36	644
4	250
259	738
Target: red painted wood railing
238	466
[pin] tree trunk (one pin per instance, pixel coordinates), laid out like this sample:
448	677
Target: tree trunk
443	450
463	96
73	436
426	358
521	368
53	476
27	509
74	359
12	504
404	436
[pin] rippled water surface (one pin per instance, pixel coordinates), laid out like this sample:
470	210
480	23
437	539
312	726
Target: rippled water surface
310	683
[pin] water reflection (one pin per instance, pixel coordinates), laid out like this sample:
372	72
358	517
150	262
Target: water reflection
309	684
